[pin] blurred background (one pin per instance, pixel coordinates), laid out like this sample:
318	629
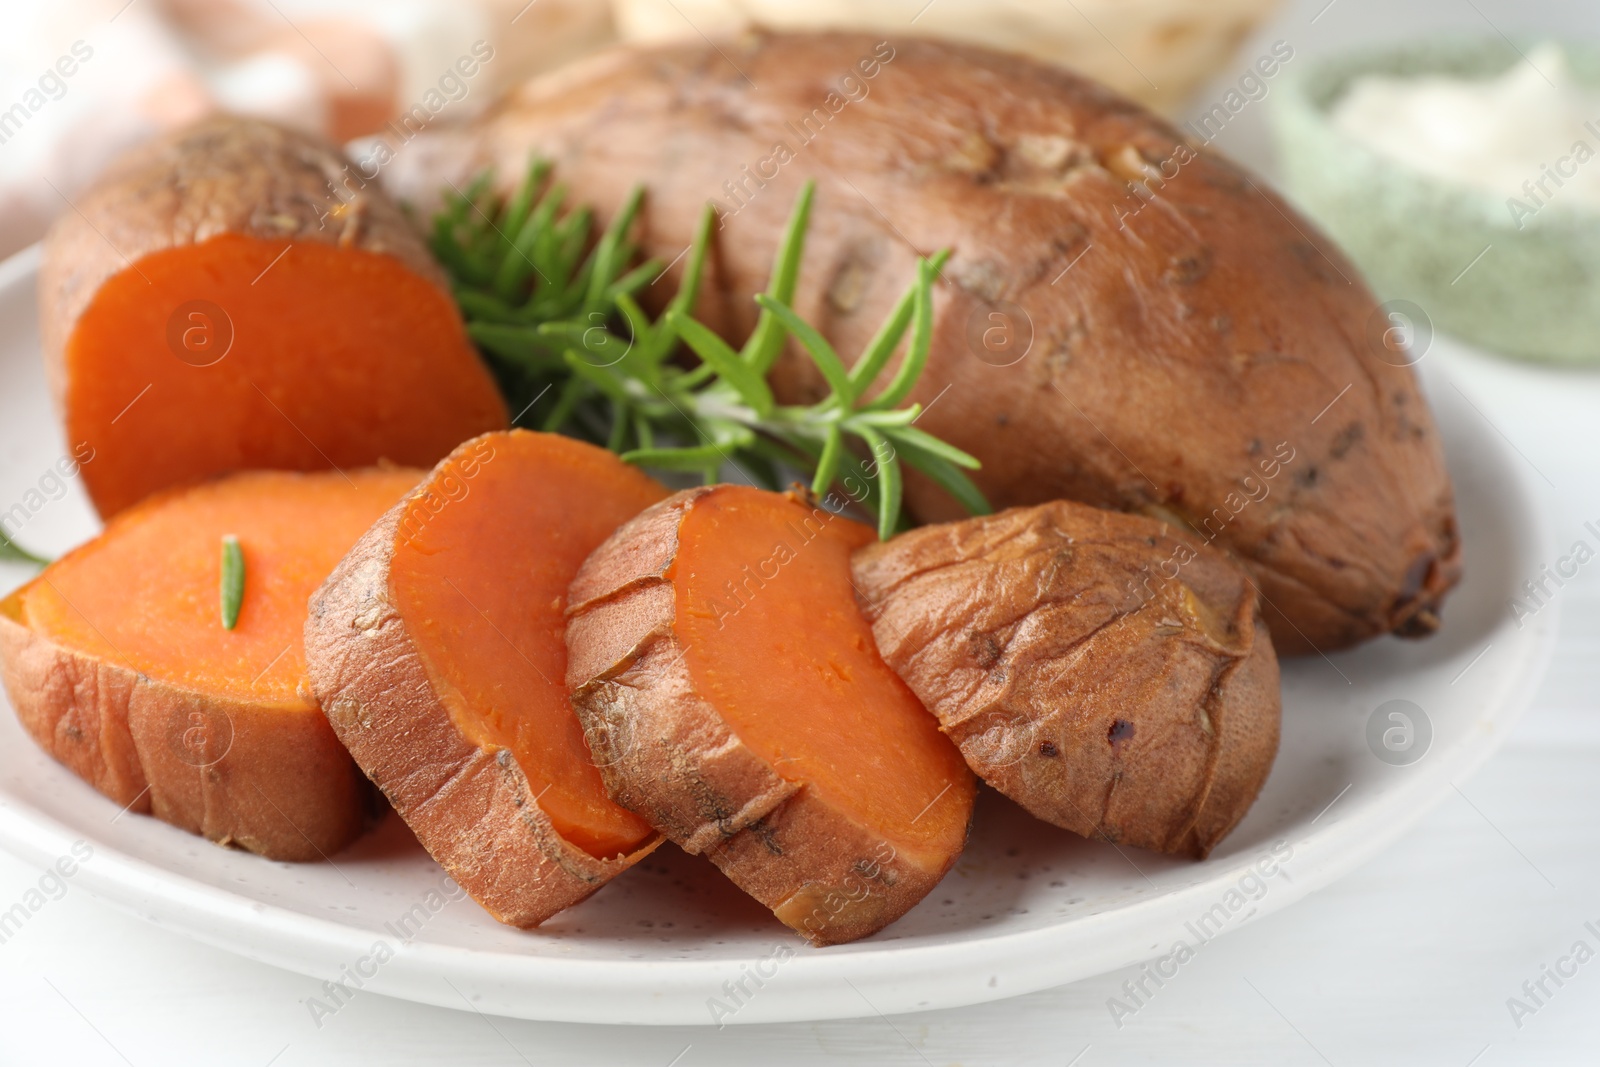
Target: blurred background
345	68
1402	186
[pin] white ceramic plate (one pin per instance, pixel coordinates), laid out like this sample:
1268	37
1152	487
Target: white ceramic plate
1028	906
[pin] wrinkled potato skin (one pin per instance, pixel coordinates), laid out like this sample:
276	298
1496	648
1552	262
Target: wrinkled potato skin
666	752
1172	348
1110	675
470	805
281	785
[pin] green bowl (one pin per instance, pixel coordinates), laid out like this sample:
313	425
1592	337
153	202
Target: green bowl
1534	294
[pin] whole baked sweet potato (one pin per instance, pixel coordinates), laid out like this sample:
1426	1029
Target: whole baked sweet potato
1128	320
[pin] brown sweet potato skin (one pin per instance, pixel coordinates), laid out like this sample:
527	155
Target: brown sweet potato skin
1109	674
667	754
1194	335
470	806
283	787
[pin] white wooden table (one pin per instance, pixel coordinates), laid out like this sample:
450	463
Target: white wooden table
1411	960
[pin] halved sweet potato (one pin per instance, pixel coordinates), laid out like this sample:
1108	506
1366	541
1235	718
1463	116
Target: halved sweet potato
228	298
734	697
1108	672
118	664
436	649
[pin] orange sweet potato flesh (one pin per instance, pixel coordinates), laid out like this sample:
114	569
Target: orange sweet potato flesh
339	357
486	584
794	669
437	648
117	662
721	663
214	305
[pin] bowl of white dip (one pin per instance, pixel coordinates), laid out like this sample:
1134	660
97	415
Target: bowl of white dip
1464	179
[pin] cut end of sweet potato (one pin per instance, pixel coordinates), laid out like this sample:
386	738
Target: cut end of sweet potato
1108	673
241	352
227	297
437	649
118	663
719	655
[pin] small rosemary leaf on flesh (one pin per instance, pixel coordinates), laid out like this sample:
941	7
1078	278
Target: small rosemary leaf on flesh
232	585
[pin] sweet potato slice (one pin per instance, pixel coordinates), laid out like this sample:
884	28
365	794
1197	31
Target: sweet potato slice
1109	673
223	300
732	692
436	649
118	664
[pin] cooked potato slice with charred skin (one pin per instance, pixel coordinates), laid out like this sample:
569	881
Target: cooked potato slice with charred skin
118	661
1108	673
736	700
436	649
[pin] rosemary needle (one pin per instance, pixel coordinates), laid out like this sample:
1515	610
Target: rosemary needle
232	581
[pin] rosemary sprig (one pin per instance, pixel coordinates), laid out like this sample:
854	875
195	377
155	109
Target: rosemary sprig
551	317
521	264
